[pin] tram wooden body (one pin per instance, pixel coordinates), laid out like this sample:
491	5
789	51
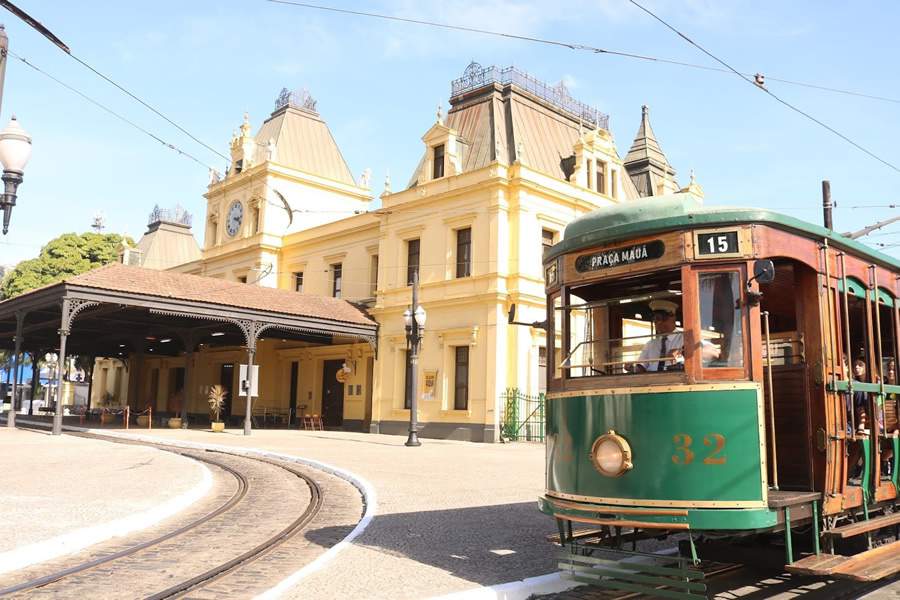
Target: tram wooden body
748	431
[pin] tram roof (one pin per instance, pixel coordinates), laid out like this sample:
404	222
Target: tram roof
636	218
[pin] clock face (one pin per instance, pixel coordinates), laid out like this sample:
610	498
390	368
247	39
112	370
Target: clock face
234	218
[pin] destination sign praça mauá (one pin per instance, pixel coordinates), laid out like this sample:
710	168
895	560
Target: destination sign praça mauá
618	257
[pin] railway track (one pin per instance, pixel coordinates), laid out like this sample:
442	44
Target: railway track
164	564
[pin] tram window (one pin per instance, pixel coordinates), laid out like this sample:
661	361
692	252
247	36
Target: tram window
557	336
721	320
625	327
858	350
886	332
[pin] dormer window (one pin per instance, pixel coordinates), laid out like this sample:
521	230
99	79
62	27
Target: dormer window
601	179
438	170
238	166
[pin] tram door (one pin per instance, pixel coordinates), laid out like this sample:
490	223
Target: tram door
332	394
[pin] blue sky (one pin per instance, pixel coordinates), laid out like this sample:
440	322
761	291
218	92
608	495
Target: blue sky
204	63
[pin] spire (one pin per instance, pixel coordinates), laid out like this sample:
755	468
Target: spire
645	146
646	164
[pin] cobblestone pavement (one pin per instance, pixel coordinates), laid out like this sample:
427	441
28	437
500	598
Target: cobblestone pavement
451	516
273	500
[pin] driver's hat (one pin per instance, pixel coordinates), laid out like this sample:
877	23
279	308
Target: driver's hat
666	306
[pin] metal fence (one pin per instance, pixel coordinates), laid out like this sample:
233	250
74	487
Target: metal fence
522	419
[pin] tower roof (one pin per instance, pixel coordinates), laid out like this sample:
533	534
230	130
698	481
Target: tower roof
645	161
301	139
507	115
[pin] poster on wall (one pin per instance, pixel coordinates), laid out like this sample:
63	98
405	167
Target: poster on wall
430	379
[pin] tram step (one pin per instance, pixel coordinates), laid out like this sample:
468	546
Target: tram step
860	527
871	565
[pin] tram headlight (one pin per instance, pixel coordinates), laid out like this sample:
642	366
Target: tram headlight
611	454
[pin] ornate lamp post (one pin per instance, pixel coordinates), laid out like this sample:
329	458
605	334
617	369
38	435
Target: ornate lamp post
15	150
415	327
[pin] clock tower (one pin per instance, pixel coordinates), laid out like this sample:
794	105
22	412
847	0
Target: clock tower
277	184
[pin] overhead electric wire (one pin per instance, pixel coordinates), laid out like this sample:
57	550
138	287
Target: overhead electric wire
763	88
111	111
40	28
569	45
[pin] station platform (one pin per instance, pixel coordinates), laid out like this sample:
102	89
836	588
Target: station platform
63	493
448	517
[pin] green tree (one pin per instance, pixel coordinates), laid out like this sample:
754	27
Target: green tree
69	254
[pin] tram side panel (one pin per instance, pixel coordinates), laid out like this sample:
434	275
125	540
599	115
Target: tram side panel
693	448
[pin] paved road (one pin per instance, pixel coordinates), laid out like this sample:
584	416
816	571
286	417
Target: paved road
451	516
274	498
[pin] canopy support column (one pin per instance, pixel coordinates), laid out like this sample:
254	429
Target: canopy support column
187	338
11	416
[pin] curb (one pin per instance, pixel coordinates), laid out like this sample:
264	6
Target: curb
551	583
369	496
84	537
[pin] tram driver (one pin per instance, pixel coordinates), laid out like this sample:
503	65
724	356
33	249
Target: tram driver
665	350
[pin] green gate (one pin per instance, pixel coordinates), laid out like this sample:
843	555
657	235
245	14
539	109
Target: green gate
522	418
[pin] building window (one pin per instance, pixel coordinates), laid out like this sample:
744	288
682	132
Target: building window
336	270
548	238
601	180
407	386
242	279
464	252
238	166
613	183
298	281
438	171
461	379
412	260
255	216
373	276
589	169
542	356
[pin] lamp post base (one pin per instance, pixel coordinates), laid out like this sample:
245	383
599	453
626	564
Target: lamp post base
413	439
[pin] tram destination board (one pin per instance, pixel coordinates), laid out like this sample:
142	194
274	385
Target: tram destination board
717	243
618	257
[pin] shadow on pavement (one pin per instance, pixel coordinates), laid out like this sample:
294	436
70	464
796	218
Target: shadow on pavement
487	545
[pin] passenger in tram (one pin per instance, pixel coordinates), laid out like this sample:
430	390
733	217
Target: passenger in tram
887	419
665	351
857	407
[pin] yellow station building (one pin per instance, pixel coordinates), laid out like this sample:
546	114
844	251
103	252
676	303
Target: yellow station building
512	162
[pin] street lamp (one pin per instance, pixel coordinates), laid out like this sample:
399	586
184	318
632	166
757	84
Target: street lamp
415	327
50	360
15	150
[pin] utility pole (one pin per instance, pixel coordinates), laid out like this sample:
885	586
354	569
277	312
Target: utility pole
826	204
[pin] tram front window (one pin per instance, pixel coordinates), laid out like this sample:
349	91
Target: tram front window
626	327
721	320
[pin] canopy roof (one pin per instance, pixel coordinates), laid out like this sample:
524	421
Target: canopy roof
127	307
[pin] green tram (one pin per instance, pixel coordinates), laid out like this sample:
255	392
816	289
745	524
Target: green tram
723	373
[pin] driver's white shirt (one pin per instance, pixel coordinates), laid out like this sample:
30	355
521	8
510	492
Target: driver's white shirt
650	355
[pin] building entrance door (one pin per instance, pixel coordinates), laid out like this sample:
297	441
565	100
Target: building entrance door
332	394
226	379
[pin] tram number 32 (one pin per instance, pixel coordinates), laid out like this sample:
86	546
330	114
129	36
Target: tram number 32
717	243
684	455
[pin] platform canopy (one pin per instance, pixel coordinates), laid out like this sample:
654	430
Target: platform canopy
119	310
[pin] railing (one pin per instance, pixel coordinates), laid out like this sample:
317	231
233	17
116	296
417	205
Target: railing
475	77
177	215
522	418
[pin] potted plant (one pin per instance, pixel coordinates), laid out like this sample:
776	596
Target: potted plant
216	399
144	419
175	404
106	417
